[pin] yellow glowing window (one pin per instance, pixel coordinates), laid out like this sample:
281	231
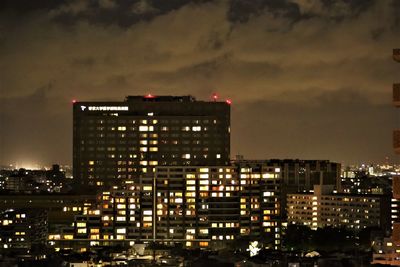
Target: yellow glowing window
147	218
94	231
81	224
268	175
204	231
121	231
203	244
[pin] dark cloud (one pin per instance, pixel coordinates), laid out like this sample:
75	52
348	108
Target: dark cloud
123	13
308	78
241	10
28	6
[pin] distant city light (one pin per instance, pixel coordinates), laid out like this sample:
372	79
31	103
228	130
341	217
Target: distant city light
149	96
73	101
215	96
28	166
229	102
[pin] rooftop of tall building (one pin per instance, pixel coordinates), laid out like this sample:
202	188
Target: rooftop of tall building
164	98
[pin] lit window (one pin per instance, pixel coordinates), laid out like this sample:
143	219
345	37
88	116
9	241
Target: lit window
147	212
121	231
81	224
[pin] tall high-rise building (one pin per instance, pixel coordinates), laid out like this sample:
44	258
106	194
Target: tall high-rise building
114	142
396	102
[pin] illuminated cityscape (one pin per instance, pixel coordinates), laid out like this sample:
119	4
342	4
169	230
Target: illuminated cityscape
199	133
159	172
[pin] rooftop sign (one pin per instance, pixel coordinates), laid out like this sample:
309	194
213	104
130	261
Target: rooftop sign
105	108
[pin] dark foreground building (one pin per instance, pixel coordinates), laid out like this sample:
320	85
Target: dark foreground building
22	231
118	141
387	251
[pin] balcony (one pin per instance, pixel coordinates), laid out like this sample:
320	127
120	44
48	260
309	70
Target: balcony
396	54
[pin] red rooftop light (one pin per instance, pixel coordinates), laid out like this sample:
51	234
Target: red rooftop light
215	96
228	101
149	96
73	101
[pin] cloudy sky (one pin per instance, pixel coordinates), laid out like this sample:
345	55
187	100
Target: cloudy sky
308	78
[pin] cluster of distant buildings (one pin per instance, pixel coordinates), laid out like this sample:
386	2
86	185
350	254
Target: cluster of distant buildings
23	181
157	170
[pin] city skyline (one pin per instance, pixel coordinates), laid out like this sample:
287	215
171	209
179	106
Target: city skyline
320	74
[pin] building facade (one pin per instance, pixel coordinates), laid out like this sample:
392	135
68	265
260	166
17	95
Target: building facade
299	175
322	209
21	230
196	206
118	141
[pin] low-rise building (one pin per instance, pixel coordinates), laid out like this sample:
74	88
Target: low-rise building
197	206
323	208
22	229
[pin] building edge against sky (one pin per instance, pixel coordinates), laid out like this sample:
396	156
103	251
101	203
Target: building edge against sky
388	249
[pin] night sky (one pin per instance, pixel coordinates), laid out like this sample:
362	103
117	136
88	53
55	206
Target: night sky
308	79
